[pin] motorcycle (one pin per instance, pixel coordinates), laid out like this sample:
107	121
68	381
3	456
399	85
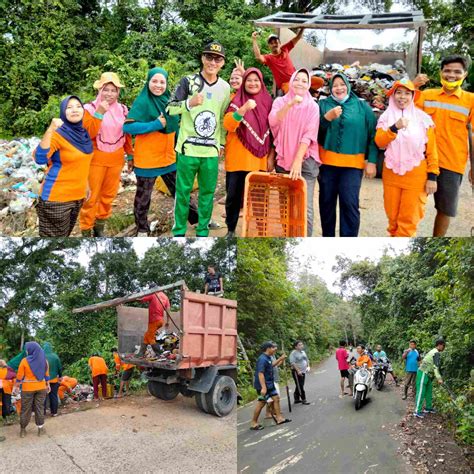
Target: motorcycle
362	385
380	372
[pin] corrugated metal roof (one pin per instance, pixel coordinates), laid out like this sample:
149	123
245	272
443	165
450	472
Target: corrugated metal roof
374	21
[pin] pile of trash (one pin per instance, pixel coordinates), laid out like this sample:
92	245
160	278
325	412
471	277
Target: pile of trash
167	344
20	176
371	82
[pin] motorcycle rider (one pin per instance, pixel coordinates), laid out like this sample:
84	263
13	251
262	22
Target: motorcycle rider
363	358
428	370
380	354
412	360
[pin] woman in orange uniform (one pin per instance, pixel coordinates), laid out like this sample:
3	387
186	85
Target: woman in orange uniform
33	376
67	149
7	378
99	372
111	145
411	159
154	156
66	386
248	140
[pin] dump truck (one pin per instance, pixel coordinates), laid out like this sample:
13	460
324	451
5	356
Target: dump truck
204	365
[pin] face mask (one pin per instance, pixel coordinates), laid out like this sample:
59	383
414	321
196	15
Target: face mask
452	85
341	101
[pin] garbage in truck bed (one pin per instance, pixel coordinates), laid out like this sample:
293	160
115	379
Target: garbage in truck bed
168	344
371	82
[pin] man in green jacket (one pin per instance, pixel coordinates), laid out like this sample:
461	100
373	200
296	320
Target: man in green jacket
428	370
201	100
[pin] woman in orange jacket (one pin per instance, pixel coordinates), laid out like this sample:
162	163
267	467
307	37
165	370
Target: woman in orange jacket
411	159
248	141
7	380
111	145
33	376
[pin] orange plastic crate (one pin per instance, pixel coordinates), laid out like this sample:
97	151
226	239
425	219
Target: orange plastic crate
274	206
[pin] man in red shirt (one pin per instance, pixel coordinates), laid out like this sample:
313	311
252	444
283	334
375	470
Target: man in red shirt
157	304
278	60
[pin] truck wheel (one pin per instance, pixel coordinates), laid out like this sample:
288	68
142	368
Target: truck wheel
186	392
358	402
163	391
222	397
201	401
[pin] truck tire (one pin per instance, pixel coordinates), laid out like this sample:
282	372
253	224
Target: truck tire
186	392
222	397
163	391
201	401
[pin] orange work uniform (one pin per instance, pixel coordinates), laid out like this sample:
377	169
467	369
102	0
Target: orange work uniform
7	384
155	314
104	176
98	366
28	380
237	157
119	365
405	196
364	359
67	173
451	115
154	150
67	384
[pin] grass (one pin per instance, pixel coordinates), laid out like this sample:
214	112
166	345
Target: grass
119	221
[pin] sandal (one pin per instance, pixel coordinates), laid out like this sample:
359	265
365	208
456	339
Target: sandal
286	420
257	428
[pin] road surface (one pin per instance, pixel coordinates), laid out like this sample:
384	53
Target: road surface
130	435
327	436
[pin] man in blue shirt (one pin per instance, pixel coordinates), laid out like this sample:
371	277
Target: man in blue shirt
412	359
264	383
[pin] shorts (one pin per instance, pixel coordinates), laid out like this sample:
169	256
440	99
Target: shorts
127	375
447	195
344	373
270	393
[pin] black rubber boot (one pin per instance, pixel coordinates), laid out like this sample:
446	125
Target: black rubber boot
99	228
156	349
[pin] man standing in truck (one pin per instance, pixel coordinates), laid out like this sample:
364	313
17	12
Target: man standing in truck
158	304
278	60
214	283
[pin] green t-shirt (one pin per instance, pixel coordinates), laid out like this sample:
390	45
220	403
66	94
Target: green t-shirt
430	363
201	132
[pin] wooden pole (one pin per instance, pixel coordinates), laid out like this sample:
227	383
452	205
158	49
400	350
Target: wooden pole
127	299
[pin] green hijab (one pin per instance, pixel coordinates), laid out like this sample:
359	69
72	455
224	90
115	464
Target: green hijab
55	368
148	107
14	363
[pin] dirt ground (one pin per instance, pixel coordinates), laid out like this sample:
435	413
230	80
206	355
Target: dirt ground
373	218
429	445
132	434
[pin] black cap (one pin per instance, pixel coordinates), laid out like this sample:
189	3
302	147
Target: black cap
214	47
266	345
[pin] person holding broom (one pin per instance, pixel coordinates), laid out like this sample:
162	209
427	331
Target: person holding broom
264	383
299	367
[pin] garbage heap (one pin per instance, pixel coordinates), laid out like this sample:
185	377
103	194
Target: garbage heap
370	82
20	176
168	344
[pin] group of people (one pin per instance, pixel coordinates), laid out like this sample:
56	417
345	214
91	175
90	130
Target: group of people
419	372
180	136
419	375
36	375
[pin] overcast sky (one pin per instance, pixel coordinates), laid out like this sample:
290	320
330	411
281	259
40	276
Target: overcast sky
320	254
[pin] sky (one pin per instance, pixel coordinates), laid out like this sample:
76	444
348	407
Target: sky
320	254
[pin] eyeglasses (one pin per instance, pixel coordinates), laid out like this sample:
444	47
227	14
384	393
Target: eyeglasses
212	57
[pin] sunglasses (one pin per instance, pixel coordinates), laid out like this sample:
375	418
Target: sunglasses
212	57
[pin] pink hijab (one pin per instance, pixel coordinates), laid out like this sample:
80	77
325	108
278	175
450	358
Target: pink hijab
300	125
408	149
110	137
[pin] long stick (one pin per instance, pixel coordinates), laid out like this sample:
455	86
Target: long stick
127	299
286	377
169	316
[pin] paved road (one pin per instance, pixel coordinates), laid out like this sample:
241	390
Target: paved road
131	435
328	436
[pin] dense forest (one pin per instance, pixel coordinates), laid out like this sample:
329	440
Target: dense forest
50	48
43	280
